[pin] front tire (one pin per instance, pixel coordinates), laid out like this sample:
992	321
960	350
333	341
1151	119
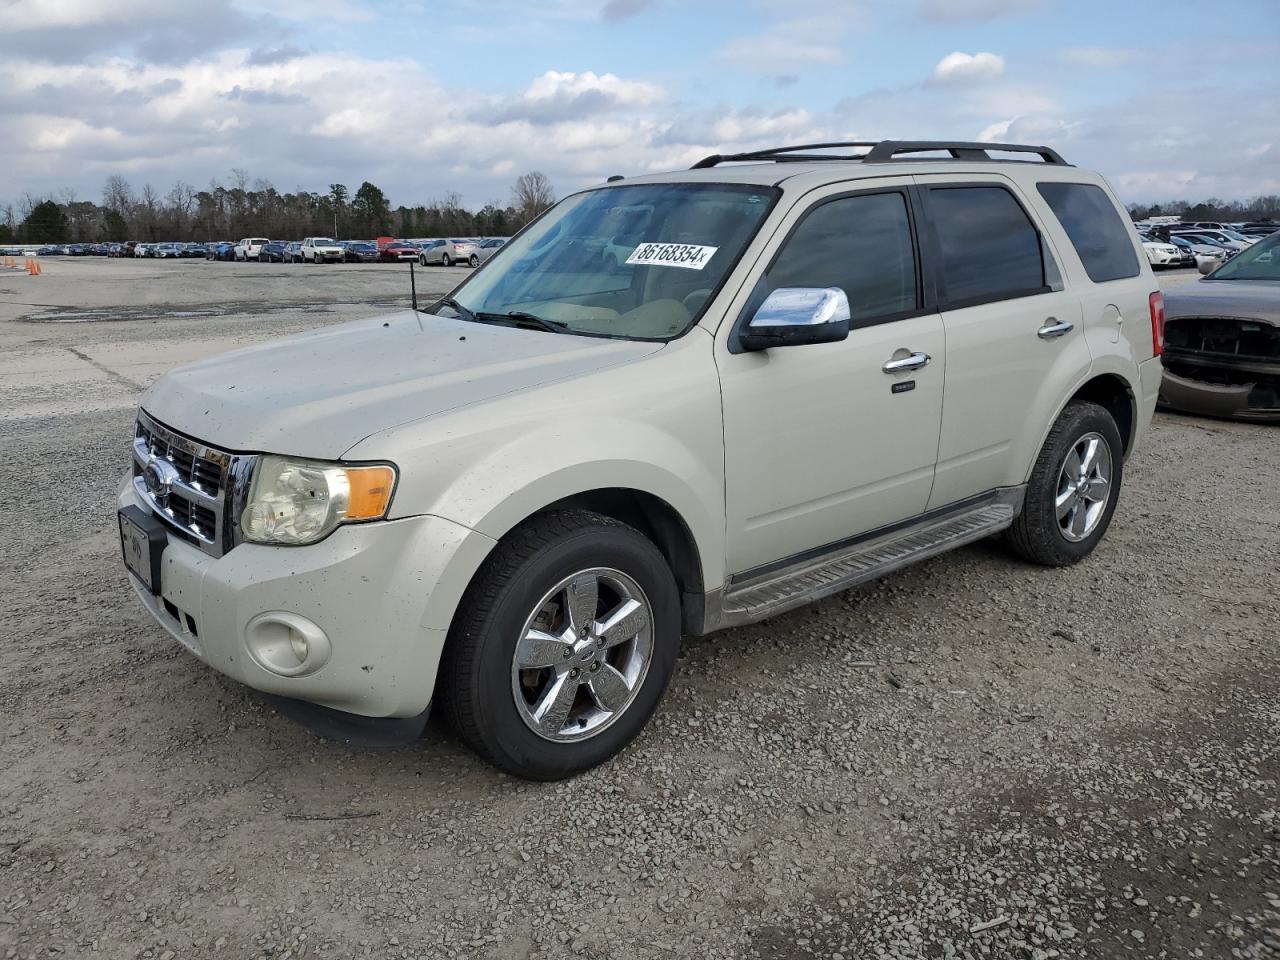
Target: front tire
562	647
1073	489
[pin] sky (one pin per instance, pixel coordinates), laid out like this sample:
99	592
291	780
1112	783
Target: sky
1172	100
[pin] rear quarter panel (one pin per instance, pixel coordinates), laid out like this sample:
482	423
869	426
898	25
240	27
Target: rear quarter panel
1115	314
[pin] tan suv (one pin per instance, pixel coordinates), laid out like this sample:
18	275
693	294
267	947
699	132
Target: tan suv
813	365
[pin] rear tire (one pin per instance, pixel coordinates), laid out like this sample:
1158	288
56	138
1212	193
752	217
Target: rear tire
474	261
1073	489
445	261
508	712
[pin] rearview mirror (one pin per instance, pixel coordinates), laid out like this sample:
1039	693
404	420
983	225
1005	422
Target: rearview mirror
794	316
1207	267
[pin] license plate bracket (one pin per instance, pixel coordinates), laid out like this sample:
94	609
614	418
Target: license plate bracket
142	542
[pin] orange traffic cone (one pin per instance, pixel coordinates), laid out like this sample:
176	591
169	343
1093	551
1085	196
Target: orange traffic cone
39	269
31	268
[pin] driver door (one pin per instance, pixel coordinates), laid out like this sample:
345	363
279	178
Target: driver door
822	444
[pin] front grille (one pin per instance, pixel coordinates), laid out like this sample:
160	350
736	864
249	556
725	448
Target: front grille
187	484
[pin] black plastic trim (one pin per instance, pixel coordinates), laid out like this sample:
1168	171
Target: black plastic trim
351	729
885	151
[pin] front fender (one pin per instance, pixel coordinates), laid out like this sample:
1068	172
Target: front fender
652	425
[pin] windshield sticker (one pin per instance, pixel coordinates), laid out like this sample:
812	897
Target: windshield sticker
690	256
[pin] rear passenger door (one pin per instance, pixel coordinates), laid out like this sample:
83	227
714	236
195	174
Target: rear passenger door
1014	344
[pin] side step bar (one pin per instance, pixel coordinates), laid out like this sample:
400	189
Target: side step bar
815	578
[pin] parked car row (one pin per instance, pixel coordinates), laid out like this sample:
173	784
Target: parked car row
446	252
1201	244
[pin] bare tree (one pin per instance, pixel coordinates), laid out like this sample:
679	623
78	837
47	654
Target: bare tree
117	195
532	194
148	210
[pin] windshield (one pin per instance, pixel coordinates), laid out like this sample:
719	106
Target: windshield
1259	262
638	262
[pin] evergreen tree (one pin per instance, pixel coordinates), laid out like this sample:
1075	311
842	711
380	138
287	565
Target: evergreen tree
46	224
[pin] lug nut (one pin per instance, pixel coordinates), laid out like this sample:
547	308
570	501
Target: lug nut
595	666
573	672
599	641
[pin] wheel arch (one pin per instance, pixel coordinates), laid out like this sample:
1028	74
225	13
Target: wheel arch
664	526
1115	394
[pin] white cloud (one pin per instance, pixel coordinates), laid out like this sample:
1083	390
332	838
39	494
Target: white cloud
559	96
1098	58
307	119
71	31
961	67
766	52
998	131
27	15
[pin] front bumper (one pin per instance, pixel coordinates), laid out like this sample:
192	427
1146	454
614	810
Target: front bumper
370	588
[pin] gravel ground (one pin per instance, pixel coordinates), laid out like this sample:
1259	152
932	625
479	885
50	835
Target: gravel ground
972	758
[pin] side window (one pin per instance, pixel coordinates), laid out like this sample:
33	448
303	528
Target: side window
989	248
860	244
1090	219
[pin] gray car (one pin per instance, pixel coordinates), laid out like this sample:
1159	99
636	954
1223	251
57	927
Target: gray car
1222	339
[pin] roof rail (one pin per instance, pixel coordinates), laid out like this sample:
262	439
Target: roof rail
883	151
780	154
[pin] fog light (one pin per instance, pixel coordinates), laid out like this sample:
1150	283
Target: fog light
286	644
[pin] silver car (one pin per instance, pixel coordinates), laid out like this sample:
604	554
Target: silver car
448	252
491	246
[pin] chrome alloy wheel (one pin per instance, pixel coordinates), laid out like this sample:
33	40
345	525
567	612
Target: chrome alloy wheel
1084	487
583	655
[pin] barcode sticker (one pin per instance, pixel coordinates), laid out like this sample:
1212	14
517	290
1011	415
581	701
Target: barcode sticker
690	256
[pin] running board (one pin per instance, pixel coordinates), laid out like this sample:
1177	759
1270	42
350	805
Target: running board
814	578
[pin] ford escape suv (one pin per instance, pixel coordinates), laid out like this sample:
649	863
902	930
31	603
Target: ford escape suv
803	368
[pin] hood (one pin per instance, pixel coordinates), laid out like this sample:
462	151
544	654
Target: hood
319	394
1247	299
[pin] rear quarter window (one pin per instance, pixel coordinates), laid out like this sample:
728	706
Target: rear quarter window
1097	232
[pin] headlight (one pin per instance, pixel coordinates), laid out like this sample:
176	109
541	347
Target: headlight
296	502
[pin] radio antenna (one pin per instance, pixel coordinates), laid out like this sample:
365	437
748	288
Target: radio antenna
413	286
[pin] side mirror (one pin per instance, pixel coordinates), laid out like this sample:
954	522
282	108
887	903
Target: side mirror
794	316
1207	267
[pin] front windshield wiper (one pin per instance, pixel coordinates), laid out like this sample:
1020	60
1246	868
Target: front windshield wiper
523	318
462	312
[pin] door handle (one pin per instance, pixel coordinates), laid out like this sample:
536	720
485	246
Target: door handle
1054	328
913	362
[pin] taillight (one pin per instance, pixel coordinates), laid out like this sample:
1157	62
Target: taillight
1156	303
